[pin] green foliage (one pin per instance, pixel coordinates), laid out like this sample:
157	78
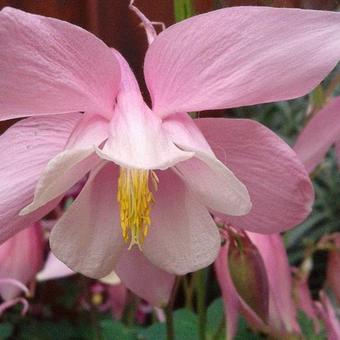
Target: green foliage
183	9
6	330
307	328
112	330
215	320
185	324
244	332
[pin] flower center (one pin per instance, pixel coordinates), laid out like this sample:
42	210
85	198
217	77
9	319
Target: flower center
135	200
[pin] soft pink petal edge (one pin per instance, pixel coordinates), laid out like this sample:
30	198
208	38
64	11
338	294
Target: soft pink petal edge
70	68
279	186
240	56
320	133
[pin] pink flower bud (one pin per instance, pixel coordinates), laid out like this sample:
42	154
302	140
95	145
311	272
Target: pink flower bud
20	259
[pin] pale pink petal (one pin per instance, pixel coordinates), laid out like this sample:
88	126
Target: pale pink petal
328	315
320	133
91	130
182	130
25	149
304	299
137	138
144	279
53	269
50	66
279	187
71	165
118	299
209	179
60	174
240	56
88	238
10	303
21	257
148	26
183	237
215	185
282	312
229	294
111	279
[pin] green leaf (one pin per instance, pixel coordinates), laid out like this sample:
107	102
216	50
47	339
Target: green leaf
183	9
244	333
185	324
112	330
307	328
215	320
6	330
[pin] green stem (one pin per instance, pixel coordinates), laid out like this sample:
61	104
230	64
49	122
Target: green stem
219	330
170	334
188	291
130	310
183	9
200	281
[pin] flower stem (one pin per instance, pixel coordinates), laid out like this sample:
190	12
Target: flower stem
183	9
188	291
200	278
170	334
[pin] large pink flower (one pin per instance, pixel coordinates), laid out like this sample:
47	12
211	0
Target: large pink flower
167	171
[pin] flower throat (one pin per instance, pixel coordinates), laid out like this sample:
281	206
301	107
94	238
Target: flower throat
135	200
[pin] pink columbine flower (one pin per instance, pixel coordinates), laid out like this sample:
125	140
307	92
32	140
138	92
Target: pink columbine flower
281	320
321	132
21	257
328	314
166	171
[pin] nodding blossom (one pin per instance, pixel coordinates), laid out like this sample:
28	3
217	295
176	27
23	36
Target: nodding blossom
155	175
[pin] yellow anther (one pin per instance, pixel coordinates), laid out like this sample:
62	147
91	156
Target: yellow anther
135	199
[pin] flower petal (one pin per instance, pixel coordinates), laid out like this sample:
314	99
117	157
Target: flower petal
53	269
26	147
319	134
50	66
61	173
279	187
282	312
21	258
240	56
71	165
88	238
183	237
144	279
229	294
215	185
136	137
210	180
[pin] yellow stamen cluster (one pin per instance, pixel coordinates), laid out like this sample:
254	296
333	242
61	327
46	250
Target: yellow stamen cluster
135	200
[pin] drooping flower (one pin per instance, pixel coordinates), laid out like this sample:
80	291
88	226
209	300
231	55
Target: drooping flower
21	257
281	321
333	267
320	133
327	313
167	171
